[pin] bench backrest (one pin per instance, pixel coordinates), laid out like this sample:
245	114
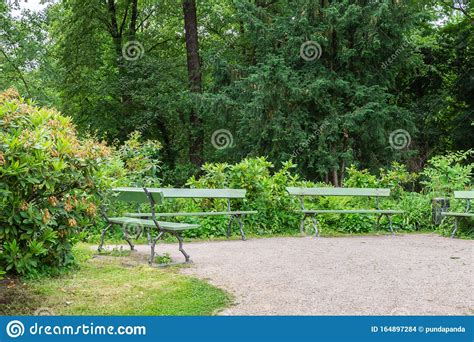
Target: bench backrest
201	193
138	195
468	195
367	192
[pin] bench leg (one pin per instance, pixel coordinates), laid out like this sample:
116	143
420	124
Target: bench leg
241	228
455	227
102	237
229	226
148	236
152	248
125	236
390	224
379	217
302	225
180	242
314	222
315	225
378	220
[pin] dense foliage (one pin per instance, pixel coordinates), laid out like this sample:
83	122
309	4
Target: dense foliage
266	193
47	185
53	183
253	94
120	66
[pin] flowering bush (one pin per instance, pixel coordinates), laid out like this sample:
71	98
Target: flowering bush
141	160
47	186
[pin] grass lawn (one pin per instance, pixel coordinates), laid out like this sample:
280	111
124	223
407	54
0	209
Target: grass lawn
108	285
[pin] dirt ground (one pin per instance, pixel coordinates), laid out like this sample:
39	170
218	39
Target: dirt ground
416	274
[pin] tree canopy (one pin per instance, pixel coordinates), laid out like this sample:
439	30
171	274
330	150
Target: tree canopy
324	83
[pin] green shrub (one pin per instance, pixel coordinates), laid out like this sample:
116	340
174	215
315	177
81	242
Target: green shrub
396	178
135	163
47	186
417	211
445	174
441	177
360	178
266	193
465	227
141	161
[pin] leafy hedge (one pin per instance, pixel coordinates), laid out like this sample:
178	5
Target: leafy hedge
266	193
47	186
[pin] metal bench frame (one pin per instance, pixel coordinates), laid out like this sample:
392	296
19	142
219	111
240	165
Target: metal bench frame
464	195
302	192
227	194
153	197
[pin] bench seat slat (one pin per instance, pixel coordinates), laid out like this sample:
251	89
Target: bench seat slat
457	214
209	213
464	194
173	226
296	191
355	211
199	193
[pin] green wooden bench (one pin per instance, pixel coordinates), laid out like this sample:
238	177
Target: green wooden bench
463	195
362	192
228	194
152	197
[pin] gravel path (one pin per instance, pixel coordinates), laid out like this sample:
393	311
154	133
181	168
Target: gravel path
370	275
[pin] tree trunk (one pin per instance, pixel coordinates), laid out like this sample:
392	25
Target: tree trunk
342	173
114	31
133	20
334	178
195	83
117	36
345	146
